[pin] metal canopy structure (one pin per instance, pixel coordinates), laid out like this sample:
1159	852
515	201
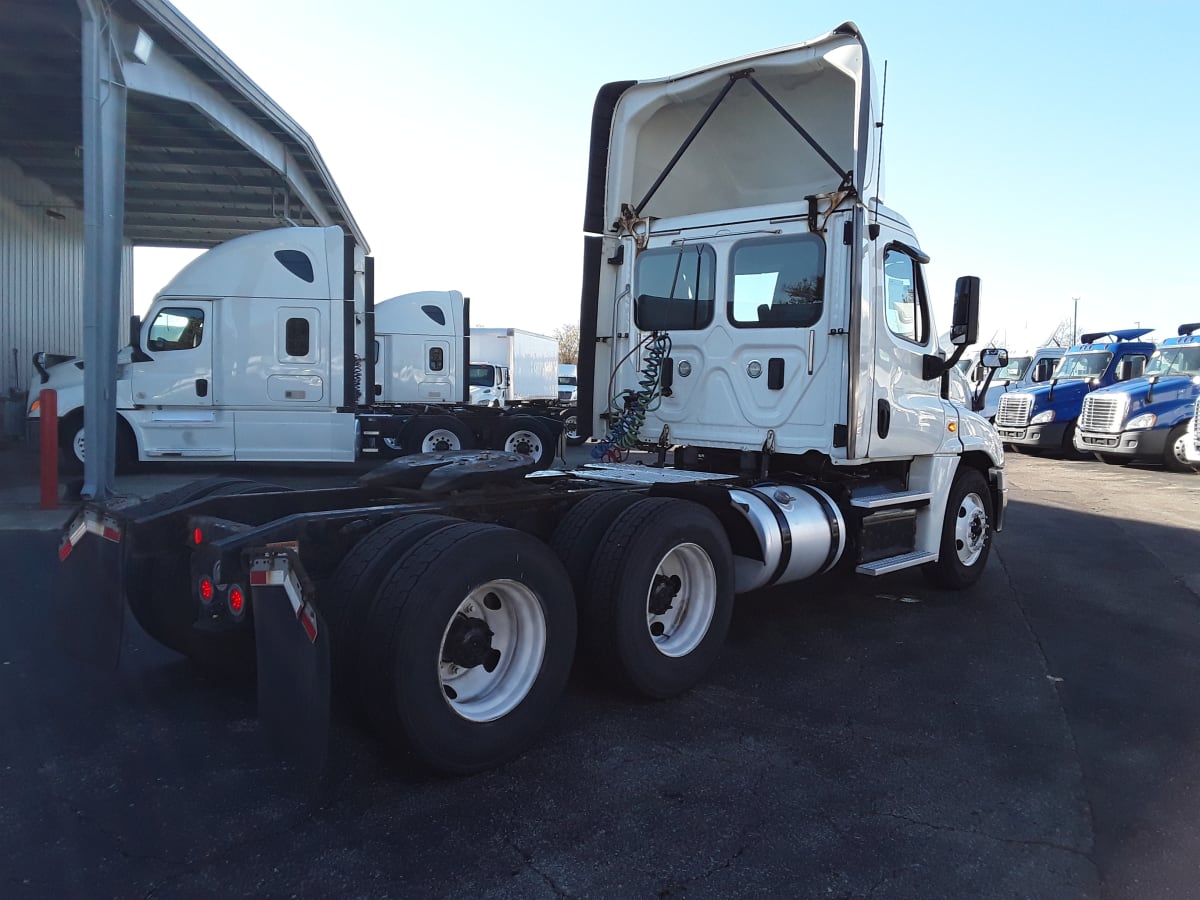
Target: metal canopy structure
209	156
128	112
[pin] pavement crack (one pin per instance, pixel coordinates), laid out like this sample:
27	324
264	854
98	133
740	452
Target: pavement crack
1018	842
527	859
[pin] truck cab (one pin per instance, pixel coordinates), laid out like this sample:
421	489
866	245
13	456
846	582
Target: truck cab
246	338
568	384
1042	417
1147	418
1022	371
755	306
488	384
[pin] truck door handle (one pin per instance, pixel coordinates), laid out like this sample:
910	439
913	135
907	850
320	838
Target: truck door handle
201	387
883	418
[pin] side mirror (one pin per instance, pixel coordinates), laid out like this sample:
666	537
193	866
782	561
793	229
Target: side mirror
135	340
994	358
964	325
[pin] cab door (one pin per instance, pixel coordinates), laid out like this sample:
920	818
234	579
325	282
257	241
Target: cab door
179	342
908	416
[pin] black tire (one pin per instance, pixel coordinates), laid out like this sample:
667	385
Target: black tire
408	639
347	600
1111	459
433	434
529	437
580	531
1069	450
72	444
1175	452
70	438
966	532
617	625
570	418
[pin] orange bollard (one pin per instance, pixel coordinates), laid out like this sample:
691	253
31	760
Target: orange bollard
48	409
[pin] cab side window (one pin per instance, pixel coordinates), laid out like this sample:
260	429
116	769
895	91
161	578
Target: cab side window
904	303
175	328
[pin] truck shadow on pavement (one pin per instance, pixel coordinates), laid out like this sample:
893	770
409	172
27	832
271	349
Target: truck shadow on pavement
1035	736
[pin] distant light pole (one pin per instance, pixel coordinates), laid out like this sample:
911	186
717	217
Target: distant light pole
1075	321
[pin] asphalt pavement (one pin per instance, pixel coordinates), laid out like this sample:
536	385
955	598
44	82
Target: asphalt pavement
1037	736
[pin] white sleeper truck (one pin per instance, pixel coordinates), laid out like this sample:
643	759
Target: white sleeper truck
752	315
262	349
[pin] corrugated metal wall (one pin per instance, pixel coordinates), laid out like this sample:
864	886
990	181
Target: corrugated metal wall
41	277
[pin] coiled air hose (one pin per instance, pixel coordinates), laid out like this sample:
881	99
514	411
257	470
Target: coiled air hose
632	407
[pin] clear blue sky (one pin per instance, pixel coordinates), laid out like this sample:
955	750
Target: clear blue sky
1045	147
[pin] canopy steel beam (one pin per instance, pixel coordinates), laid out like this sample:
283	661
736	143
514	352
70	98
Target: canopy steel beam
104	99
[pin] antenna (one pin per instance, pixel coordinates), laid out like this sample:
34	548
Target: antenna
879	145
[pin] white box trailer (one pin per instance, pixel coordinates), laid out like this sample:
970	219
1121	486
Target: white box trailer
511	367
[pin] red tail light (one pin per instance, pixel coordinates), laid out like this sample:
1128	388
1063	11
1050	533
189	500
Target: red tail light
197	536
206	590
236	598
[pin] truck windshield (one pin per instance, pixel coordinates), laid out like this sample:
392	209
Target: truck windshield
568	381
481	375
1014	370
1175	361
1083	365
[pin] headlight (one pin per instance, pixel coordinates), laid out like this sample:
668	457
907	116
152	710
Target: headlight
1145	420
1042	418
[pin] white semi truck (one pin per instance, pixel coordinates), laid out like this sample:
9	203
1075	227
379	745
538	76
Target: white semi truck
511	367
752	314
261	350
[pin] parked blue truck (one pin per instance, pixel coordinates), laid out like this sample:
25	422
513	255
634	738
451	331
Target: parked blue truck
1146	419
1042	417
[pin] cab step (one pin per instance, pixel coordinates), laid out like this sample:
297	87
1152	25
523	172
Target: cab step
896	563
896	498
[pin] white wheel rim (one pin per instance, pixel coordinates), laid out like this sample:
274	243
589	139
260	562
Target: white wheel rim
571	426
440	439
524	442
678	630
77	445
970	529
392	444
1180	449
513	613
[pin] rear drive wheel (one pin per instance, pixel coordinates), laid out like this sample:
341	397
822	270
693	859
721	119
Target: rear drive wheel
580	531
434	434
527	436
660	597
1175	453
347	602
469	646
966	532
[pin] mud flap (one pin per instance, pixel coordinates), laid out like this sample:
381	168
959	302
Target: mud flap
88	589
292	646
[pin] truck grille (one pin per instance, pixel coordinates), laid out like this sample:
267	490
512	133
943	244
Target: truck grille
1196	425
1101	413
1014	410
